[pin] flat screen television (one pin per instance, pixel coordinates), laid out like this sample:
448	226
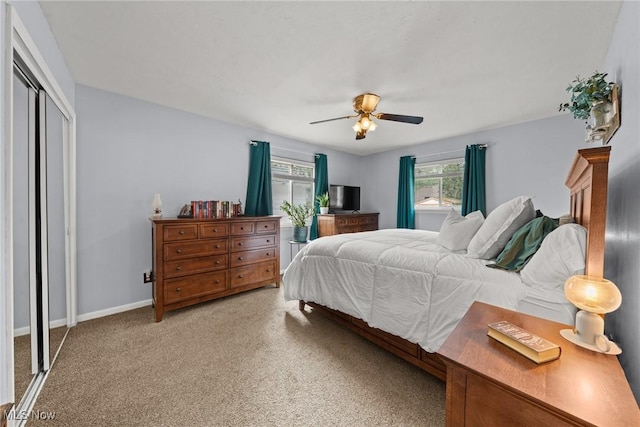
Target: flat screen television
344	198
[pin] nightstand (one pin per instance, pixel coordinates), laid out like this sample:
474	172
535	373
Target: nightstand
489	384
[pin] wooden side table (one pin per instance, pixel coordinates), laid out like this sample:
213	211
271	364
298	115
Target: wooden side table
489	384
297	244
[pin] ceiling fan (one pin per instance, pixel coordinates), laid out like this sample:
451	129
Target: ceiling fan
364	105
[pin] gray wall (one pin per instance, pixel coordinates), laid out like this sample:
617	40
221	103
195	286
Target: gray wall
130	149
530	158
622	253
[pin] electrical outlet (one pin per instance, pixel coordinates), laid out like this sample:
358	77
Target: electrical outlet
146	276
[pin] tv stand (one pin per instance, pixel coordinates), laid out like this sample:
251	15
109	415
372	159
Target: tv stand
346	222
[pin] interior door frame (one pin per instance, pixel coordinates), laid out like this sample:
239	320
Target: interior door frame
17	39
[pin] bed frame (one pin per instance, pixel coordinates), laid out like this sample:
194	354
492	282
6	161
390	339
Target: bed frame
587	182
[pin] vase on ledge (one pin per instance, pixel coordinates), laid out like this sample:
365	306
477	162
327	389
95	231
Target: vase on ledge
300	234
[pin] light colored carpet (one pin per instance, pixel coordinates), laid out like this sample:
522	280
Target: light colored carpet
246	360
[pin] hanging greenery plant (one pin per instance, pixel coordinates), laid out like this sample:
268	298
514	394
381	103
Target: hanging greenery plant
585	92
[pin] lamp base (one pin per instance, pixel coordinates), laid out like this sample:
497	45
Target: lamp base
570	335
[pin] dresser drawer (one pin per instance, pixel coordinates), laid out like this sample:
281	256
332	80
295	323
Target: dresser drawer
194	265
202	248
250	257
208	231
241	276
347	220
348	229
242	228
266	227
180	232
246	243
367	220
184	288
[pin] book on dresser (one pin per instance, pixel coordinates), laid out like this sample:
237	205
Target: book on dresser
524	342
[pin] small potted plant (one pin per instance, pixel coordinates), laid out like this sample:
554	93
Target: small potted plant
298	215
592	101
323	200
586	93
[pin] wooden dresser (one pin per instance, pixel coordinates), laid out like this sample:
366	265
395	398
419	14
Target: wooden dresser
331	224
197	260
489	384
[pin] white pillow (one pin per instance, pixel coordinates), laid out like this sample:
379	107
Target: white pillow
561	255
499	226
457	230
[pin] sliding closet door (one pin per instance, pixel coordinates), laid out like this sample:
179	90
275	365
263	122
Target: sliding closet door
42	233
40	242
56	202
26	362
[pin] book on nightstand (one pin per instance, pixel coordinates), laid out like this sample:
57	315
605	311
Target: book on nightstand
524	342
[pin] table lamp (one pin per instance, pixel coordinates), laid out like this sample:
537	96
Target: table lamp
156	206
594	296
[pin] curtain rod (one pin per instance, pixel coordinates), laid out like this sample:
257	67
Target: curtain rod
448	152
286	149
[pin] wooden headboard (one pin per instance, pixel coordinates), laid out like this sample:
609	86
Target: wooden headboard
587	182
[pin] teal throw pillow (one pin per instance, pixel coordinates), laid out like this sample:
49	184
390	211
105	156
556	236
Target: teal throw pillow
524	243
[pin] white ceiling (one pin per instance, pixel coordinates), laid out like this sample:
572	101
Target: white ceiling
276	66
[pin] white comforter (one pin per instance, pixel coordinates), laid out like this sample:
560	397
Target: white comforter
400	281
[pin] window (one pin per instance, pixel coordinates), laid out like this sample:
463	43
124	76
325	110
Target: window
291	180
439	184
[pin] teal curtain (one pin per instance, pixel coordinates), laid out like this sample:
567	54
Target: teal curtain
321	186
259	198
406	209
473	187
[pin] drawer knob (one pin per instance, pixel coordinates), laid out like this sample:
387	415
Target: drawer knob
268	271
239	243
240	258
179	268
181	232
215	230
179	251
178	290
217	246
217	281
240	276
268	254
217	262
268	240
266	226
241	228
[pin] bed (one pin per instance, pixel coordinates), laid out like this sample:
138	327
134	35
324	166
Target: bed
406	290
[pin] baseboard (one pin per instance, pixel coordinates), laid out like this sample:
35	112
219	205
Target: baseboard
87	316
113	310
25	330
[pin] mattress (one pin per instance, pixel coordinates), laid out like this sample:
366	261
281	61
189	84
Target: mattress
402	282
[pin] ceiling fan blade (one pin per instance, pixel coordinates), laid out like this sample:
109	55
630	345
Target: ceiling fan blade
416	120
330	120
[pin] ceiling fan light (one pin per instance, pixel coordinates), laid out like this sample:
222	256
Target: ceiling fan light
372	126
365	122
357	127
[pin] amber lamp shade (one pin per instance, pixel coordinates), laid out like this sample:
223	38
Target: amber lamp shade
592	294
